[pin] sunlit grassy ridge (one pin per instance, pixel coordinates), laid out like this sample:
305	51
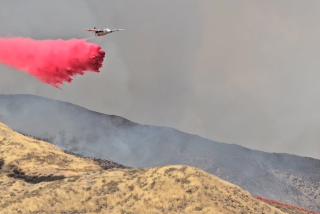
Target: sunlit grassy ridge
39	178
39	157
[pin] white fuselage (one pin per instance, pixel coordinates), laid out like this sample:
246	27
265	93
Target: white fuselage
99	32
103	32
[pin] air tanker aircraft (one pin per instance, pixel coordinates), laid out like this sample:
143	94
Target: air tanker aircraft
102	32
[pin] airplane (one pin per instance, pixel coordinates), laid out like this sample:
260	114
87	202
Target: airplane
102	32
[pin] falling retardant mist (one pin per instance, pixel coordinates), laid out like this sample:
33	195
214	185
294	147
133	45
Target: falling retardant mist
51	61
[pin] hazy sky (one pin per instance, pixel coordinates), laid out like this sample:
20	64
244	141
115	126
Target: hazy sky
242	72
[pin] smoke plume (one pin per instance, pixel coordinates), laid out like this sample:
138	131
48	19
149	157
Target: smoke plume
51	61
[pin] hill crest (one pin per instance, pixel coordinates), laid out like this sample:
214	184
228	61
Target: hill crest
84	187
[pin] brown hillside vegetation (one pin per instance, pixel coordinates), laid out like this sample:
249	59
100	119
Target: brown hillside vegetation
36	157
37	177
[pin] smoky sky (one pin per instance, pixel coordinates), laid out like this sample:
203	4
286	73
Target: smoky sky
242	72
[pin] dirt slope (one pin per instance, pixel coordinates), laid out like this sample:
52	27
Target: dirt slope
37	177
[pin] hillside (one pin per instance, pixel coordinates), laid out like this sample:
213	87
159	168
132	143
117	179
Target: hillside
79	185
287	208
287	178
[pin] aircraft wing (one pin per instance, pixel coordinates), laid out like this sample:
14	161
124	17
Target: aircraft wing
91	30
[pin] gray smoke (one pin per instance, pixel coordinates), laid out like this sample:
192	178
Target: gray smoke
243	72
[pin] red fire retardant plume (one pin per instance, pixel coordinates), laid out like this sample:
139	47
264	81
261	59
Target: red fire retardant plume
51	61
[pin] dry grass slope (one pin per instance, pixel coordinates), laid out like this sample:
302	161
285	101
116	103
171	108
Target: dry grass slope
39	157
36	177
